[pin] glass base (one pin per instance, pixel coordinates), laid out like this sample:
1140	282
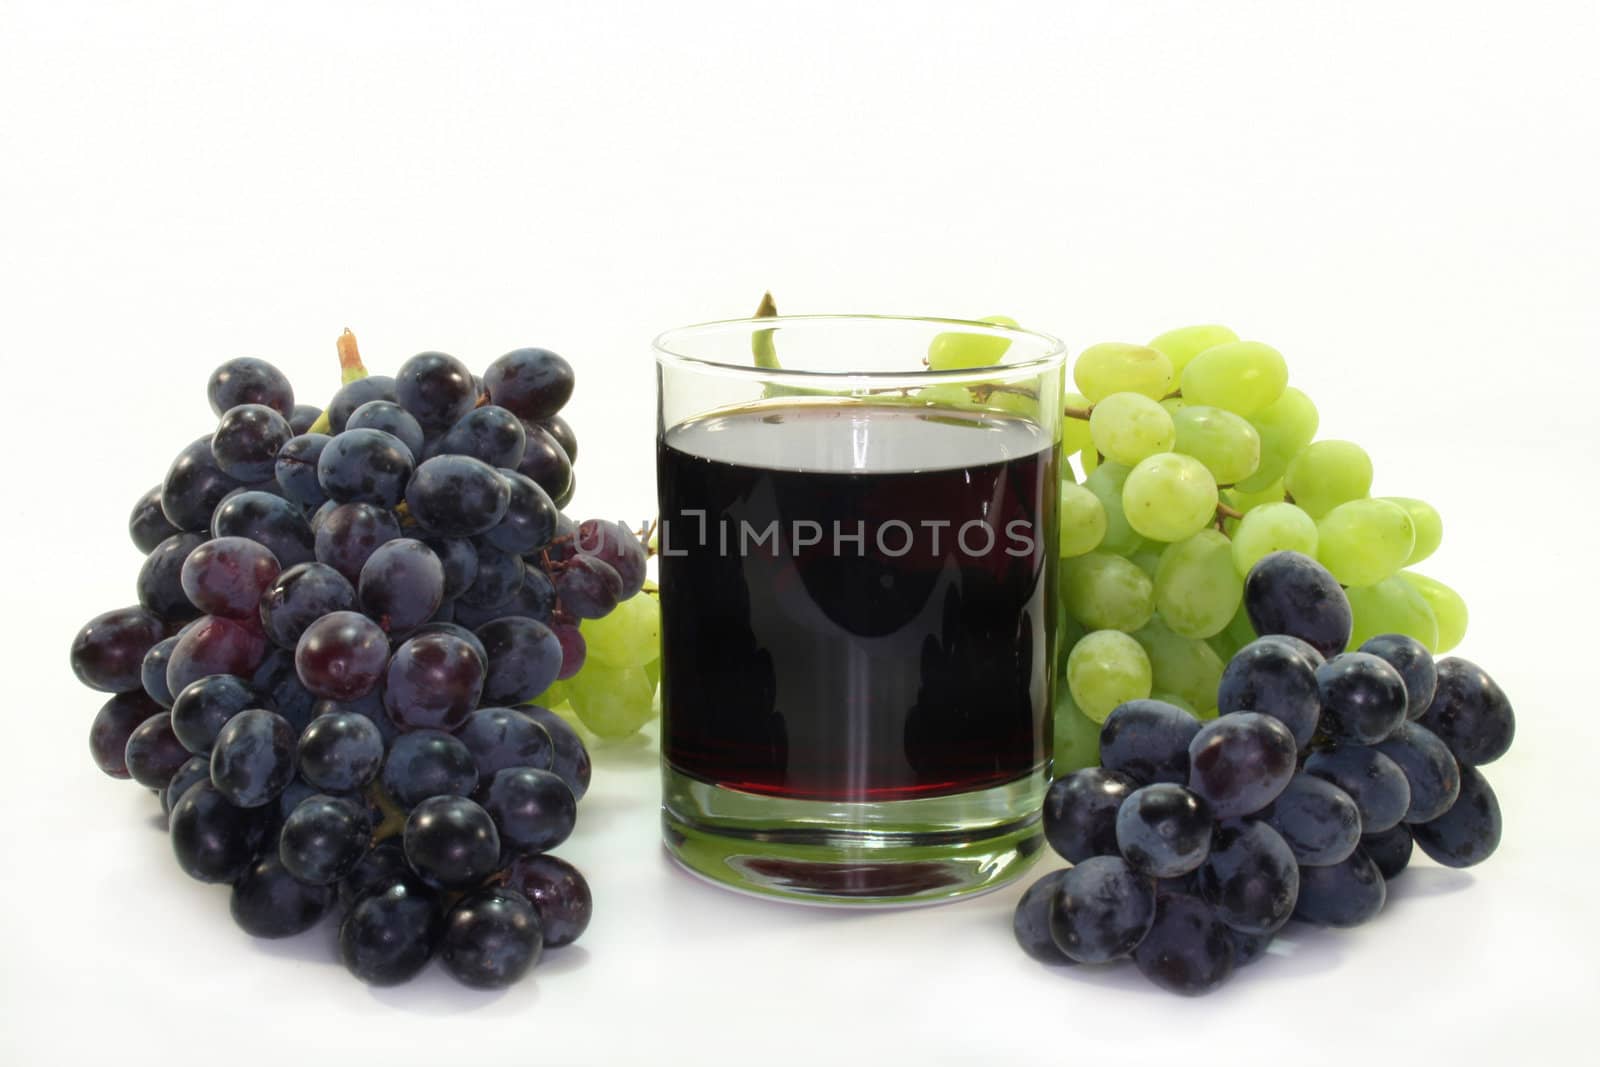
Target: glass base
890	853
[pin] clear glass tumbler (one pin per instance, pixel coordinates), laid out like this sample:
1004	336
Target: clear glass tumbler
858	602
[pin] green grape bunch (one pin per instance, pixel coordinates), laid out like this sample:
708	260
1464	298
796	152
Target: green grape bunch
1184	461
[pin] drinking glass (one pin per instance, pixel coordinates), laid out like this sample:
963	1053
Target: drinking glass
857	557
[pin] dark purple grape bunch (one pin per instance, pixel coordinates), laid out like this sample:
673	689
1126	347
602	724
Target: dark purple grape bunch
344	620
1193	843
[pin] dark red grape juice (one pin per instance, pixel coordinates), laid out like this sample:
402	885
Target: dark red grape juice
854	600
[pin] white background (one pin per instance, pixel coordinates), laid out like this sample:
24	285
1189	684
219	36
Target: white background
1399	196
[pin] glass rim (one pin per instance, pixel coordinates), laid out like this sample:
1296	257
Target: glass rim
1055	350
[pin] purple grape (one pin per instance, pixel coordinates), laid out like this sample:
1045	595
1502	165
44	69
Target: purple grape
433	682
391	418
148	525
1186	949
1102	909
300	596
1469	830
1374	781
113	724
295	469
1240	762
524	659
1030	922
1320	821
195	769
558	428
366	467
1470	713
341	656
435	388
545	463
504	737
1342	894
1288	593
571	758
1414	662
160	582
613	544
587	587
248	380
1390	850
1163	830
1430	769
153	671
1250	878
246	443
1363	698
530	518
532	383
428	763
214	841
193	487
1275	677
490	433
1148	740
390	934
533	809
324	838
214	645
451	842
268	901
491	938
108	652
349	534
499	576
460	562
253	759
559	894
401	584
228	576
1080	812
457	496
303	417
341	752
574	649
353	394
203	707
268	520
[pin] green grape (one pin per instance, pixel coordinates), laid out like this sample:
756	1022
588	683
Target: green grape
630	636
1393	606
964	351
1077	737
1449	610
1118	368
943	395
1364	541
1429	526
1240	631
1106	592
1228	445
1240	500
1082	520
1168	497
611	701
1326	474
1186	342
1242	377
1175	700
1090	461
1068	633
1189	668
1147	559
1197	590
1173	404
652	671
1106	481
1271	528
1075	435
1286	427
1105	669
1127	427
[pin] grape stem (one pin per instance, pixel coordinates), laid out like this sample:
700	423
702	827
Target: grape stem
1227	511
1078	413
351	369
762	345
